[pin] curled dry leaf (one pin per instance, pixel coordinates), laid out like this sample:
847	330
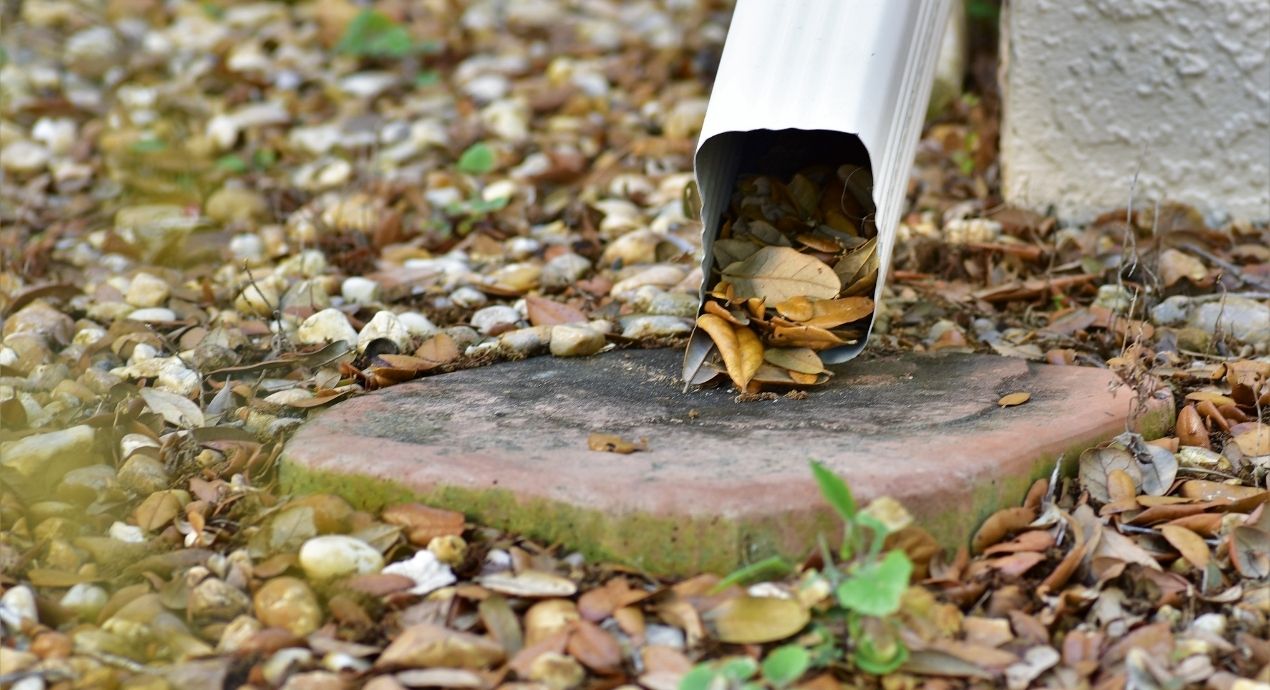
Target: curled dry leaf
612	443
423	523
999	525
1096	464
1187	543
531	584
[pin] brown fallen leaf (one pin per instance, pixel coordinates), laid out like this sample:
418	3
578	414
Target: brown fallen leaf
796	308
776	274
430	645
423	523
612	443
546	312
595	648
1187	543
1000	525
751	356
1015	398
439	349
725	341
831	313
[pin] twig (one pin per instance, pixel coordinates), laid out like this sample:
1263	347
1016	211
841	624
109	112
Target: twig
1230	268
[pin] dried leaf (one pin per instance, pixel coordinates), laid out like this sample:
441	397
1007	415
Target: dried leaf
751	356
595	648
999	525
805	336
423	523
174	409
545	312
831	313
1187	543
796	308
1015	398
725	340
776	274
800	359
439	349
1097	463
530	584
612	443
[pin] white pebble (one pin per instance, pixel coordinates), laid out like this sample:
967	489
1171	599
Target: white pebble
17	604
575	341
326	326
131	534
152	315
417	324
358	290
85	600
493	318
337	555
468	297
247	248
384	324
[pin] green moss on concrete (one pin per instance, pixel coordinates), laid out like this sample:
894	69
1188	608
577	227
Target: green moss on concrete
683	546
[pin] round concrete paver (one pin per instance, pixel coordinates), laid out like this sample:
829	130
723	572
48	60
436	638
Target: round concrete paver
722	482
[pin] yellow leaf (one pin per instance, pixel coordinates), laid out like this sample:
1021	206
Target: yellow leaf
850	266
797	308
1187	543
779	273
757	620
803	360
724	338
804	336
831	313
1015	398
751	356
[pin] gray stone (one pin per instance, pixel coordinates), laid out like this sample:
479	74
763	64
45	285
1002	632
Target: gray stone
1246	320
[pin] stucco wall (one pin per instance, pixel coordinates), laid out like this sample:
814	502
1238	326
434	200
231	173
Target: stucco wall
1092	88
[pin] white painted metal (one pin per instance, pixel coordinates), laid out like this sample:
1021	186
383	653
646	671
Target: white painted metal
841	68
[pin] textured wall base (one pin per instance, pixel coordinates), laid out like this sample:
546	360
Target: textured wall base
1094	88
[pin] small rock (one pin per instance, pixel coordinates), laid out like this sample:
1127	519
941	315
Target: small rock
468	297
653	300
23	157
215	599
463	336
309	293
282	662
418	325
309	263
1171	311
287	602
57	133
86	484
495	319
1246	320
967	230
557	671
336	555
85	600
18	604
564	270
142	474
233	204
520	248
575	341
658	276
38	318
638	247
147	290
639	327
247	248
384	325
237	633
1113	297
258	299
526	342
92	51
129	534
326	326
314	680
152	315
51	453
358	290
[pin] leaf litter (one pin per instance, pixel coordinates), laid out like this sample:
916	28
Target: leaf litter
197	258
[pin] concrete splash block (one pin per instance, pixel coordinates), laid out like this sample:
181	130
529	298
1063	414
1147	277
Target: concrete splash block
722	483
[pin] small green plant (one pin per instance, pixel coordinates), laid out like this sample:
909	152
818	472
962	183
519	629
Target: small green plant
478	159
856	624
372	34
